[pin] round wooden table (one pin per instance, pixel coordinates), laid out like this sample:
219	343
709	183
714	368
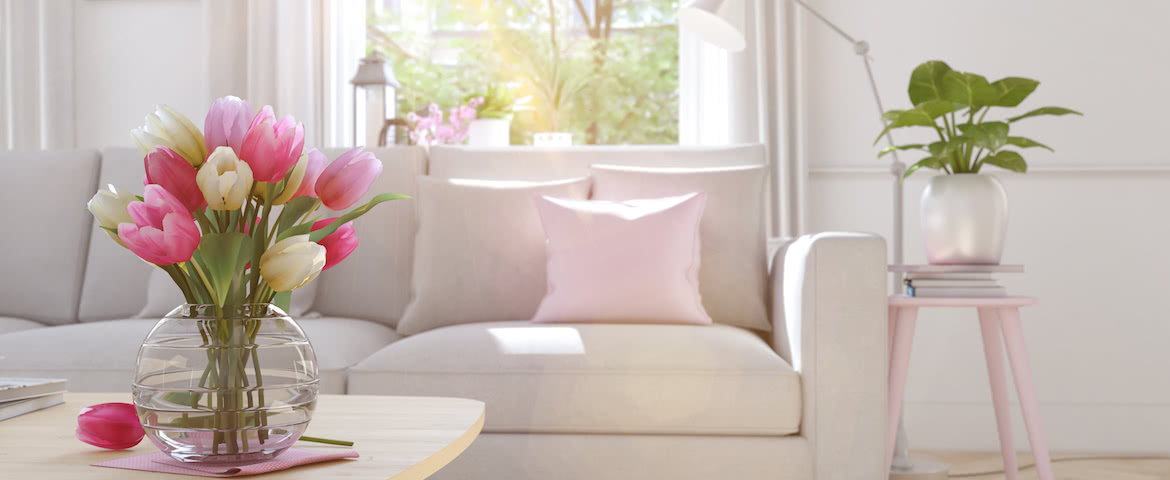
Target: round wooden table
400	438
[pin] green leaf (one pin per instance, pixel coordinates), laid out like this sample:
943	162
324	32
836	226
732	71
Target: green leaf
989	135
1007	160
926	82
1044	111
891	115
916	146
907	118
938	108
283	300
1023	142
353	214
223	255
293	211
967	88
928	162
1010	91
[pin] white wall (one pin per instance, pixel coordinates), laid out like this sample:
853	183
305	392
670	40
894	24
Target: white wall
1089	221
130	55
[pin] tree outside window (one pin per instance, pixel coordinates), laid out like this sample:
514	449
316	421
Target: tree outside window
604	70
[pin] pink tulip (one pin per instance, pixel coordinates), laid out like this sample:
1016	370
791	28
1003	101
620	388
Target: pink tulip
163	232
270	147
171	171
338	244
226	123
316	165
110	425
347	179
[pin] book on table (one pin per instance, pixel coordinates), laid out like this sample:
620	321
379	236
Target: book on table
954	281
19	395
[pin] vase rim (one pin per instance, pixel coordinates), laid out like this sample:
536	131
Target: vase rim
210	310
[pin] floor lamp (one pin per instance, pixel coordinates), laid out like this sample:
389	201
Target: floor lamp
709	19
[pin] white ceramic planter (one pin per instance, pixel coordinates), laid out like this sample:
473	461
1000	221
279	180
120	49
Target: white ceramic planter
964	219
489	132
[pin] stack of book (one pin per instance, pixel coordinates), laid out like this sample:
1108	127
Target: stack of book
19	396
955	280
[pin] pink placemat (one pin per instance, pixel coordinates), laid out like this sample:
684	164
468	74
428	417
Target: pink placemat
161	462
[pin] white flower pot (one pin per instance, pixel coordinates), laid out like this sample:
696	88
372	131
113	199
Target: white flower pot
489	132
964	219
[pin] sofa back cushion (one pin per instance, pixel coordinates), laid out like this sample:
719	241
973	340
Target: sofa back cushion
538	164
733	277
481	251
44	194
115	278
373	283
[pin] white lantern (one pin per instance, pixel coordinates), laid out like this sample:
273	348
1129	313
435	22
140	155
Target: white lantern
375	78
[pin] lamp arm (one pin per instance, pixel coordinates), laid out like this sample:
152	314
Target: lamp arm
897	168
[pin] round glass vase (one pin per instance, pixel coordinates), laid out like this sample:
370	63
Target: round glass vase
228	385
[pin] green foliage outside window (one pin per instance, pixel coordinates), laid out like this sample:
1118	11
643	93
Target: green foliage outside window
604	70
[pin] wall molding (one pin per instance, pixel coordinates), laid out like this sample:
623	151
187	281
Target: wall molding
1094	169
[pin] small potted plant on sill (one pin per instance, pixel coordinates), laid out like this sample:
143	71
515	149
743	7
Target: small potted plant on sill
964	213
493	117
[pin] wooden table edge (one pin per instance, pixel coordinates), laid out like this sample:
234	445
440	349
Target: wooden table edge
442	458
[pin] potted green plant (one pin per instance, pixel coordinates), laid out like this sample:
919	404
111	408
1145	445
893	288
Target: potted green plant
493	116
964	214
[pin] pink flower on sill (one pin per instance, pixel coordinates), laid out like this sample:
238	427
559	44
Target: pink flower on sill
227	123
171	171
347	179
338	244
163	232
272	147
110	425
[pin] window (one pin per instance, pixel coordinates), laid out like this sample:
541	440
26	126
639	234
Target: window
604	70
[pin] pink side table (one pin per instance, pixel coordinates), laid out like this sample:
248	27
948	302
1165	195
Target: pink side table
998	317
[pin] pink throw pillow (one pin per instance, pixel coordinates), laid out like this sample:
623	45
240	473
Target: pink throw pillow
634	261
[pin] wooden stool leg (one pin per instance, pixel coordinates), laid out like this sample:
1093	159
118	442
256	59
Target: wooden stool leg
989	324
899	364
1013	337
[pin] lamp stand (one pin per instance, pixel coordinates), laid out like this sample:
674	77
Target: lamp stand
903	467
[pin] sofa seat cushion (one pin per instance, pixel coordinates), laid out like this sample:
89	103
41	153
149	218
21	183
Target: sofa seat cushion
9	324
596	378
100	356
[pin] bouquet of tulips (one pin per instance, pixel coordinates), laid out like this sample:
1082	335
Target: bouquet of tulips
207	215
228	213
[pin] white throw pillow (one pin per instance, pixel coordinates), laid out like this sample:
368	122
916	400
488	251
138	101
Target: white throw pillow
480	251
162	296
733	275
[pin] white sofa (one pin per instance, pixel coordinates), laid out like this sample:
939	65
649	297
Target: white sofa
805	400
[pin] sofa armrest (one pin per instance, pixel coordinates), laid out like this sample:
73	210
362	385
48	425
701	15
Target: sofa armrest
829	320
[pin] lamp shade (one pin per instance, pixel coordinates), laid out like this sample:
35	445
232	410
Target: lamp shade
709	20
375	71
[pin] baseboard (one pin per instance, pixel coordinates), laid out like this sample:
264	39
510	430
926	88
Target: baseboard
1123	428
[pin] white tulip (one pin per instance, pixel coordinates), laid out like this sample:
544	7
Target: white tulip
225	180
294	181
292	263
169	128
108	207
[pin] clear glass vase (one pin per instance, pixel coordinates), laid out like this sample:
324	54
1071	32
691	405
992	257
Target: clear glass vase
233	385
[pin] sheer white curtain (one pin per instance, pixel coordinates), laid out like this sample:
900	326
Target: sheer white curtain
292	54
36	75
744	97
